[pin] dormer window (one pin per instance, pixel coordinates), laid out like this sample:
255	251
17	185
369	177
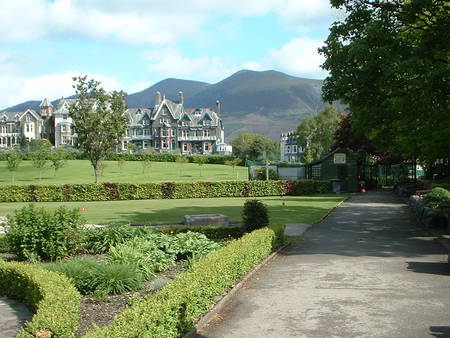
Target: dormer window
16	117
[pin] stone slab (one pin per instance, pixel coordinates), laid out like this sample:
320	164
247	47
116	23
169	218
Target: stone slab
206	219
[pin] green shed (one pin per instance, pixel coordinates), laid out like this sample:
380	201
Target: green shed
340	166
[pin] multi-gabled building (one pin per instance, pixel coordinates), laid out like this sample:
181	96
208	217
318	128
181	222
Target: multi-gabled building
166	127
169	126
15	125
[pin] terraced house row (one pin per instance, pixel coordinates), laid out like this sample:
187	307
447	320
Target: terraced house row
166	127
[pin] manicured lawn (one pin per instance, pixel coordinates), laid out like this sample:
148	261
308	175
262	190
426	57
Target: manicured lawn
81	172
287	209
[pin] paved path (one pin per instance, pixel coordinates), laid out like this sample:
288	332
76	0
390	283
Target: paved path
13	316
365	271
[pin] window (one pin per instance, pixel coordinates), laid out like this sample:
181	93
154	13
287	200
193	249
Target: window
185	147
288	149
164	144
206	147
185	123
206	132
64	128
146	132
172	132
294	149
206	122
316	171
64	140
184	133
28	128
164	132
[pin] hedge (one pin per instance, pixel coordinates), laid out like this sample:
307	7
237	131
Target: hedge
173	310
51	296
167	190
112	156
210	231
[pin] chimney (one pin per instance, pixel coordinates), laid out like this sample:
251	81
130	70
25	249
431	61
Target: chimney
157	98
180	97
218	107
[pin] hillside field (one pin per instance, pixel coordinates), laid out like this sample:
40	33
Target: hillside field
80	171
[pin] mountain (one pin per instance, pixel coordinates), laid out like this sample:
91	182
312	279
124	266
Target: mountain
266	102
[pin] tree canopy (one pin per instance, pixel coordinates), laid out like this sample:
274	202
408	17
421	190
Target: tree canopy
316	133
389	61
99	120
255	147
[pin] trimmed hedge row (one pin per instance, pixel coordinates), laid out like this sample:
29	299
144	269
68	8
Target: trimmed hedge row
52	297
210	231
173	310
167	190
112	156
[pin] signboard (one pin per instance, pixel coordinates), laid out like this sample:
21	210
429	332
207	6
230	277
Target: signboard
339	158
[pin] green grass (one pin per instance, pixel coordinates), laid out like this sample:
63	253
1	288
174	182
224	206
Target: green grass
81	171
296	209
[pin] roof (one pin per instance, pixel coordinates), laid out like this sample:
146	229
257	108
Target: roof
45	103
325	157
11	115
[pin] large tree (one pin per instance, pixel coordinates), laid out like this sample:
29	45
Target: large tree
316	133
99	120
389	61
255	147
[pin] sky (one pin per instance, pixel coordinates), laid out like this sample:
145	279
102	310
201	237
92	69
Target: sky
133	44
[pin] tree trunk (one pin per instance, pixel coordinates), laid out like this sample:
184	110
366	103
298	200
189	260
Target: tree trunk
96	166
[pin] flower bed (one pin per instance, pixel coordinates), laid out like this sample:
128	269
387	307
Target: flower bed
173	310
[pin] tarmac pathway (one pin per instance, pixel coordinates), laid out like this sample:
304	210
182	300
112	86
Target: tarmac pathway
366	271
13	316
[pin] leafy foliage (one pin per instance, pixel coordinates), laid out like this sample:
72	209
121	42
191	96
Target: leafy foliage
98	120
35	232
261	174
254	147
13	159
100	240
51	296
91	276
254	215
316	133
171	311
437	197
387	60
144	253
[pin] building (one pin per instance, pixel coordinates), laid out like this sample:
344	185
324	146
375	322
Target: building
290	151
170	126
15	125
166	127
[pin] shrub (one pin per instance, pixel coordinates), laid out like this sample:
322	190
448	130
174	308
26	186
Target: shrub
190	245
172	311
303	187
254	215
91	276
437	197
37	232
261	174
4	247
143	253
51	296
100	240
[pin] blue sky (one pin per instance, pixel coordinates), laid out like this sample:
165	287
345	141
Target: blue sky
132	44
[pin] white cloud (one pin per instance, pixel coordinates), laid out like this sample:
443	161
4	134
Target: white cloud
144	21
298	57
15	89
253	65
170	62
